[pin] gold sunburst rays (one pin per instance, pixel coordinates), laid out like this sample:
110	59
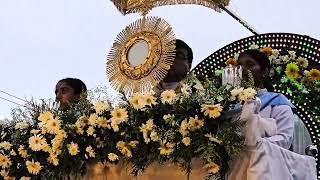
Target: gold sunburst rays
144	6
160	40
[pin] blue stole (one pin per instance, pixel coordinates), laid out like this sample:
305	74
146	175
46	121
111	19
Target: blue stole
273	99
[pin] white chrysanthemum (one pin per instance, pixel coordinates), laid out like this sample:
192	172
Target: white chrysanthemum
235	92
285	58
292	54
186	90
21	126
236	56
254	46
275	52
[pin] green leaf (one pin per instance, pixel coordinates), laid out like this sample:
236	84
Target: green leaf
220	98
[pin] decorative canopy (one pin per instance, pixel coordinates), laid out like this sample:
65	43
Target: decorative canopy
144	6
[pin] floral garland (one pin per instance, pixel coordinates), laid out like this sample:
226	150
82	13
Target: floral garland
291	74
45	142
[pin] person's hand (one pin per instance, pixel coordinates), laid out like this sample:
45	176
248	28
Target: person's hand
249	109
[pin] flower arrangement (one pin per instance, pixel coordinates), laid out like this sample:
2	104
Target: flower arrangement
291	74
144	129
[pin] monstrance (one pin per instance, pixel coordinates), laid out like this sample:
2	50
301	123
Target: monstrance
141	55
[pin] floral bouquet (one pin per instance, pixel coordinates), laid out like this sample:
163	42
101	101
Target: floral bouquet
44	142
292	75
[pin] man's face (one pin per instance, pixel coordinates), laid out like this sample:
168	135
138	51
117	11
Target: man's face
180	67
249	64
65	95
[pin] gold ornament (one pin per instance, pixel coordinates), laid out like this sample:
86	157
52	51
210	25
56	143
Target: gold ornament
141	55
144	6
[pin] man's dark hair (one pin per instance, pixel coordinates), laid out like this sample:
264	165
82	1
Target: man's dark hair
77	85
183	45
263	60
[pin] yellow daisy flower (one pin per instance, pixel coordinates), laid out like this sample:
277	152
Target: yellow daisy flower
154	136
4	173
137	101
314	75
5	161
92	121
249	93
53	159
213	111
45	116
100	107
168	96
148	126
90	151
186	141
90	131
36	142
23	152
184	128
79	130
73	149
127	152
150	100
292	71
56	145
195	123
133	144
82	121
121	145
212	167
5	145
103	122
167	149
235	92
46	147
115	126
53	126
119	115
112	157
33	167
